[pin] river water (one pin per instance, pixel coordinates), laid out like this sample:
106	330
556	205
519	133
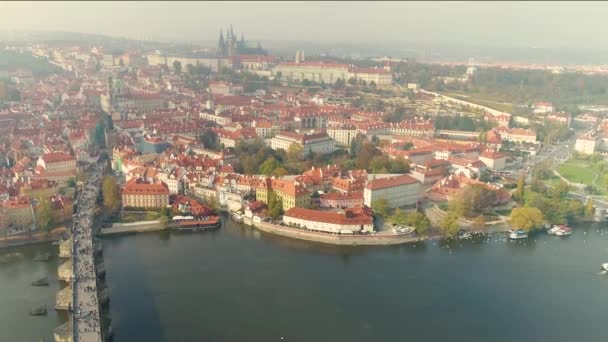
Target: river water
17	297
237	284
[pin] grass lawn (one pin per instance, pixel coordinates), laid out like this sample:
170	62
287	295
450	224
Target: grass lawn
577	173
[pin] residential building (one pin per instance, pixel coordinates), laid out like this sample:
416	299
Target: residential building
319	143
141	194
350	221
399	191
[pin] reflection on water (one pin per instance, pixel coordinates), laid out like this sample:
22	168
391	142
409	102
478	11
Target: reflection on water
17	296
196	286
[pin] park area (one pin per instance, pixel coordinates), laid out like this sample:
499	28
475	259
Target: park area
590	171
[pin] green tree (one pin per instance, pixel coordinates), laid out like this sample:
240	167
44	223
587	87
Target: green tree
526	218
275	205
44	215
380	206
398	217
560	190
268	167
177	66
589	210
339	84
419	221
151	216
280	172
71	182
449	224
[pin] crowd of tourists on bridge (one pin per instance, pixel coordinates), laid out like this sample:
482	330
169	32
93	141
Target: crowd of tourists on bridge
86	303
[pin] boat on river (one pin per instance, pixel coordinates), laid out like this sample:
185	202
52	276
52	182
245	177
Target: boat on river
605	267
38	311
43	257
206	223
553	229
564	231
517	234
41	282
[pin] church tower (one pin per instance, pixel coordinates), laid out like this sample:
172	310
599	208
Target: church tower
298	57
221	45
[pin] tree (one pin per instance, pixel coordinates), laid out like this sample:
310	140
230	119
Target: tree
249	165
339	84
372	85
150	216
380	206
177	66
44	215
560	190
449	224
210	139
589	210
398	217
275	205
365	155
526	218
269	166
71	182
111	194
474	200
519	192
479	223
280	172
121	62
352	81
419	221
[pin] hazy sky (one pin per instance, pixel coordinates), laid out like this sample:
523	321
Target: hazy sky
543	24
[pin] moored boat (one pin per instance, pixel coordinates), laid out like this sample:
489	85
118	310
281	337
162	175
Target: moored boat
38	311
564	231
516	234
209	222
553	229
41	282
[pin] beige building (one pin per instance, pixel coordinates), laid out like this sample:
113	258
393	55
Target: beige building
381	77
316	71
399	191
140	194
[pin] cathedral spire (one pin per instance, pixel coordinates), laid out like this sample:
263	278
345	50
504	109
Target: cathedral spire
221	47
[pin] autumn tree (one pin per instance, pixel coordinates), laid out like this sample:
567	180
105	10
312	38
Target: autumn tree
365	155
111	194
419	221
268	167
526	218
521	183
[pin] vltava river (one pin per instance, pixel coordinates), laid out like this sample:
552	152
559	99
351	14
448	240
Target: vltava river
237	284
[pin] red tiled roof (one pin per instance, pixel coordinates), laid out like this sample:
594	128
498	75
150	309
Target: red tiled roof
390	182
356	216
139	187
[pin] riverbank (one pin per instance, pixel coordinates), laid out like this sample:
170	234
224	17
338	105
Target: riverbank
334	239
133	227
34	239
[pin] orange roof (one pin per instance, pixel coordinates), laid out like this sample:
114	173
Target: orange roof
139	187
356	216
390	182
56	157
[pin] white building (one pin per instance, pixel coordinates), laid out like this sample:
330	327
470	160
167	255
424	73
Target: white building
543	107
381	77
319	143
585	144
399	191
493	160
350	221
343	136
